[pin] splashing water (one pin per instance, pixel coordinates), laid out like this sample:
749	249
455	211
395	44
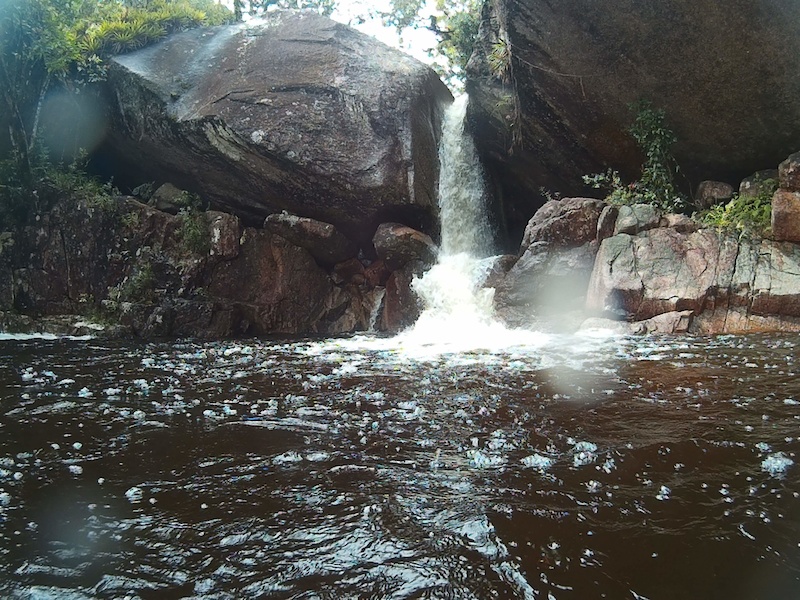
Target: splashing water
458	311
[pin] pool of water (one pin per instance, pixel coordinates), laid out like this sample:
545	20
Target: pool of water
558	466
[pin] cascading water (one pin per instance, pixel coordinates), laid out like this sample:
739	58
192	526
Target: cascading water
458	311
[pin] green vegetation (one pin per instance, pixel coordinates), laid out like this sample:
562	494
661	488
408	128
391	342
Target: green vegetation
194	232
47	44
139	287
454	22
656	185
747	215
500	60
6	241
46	183
255	7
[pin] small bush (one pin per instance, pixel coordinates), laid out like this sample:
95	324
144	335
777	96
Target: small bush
656	185
750	216
139	287
194	232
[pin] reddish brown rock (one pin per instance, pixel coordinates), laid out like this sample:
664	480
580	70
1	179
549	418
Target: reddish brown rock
564	223
398	245
786	216
729	284
680	223
326	244
349	271
225	231
401	306
789	173
275	286
377	273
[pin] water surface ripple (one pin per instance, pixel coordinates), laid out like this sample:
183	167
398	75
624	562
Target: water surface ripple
572	468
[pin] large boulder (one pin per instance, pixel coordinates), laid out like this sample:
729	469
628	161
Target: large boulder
566	223
397	245
294	112
551	84
325	243
729	285
557	256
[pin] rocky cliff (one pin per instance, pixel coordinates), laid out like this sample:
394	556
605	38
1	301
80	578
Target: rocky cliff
202	274
552	83
638	270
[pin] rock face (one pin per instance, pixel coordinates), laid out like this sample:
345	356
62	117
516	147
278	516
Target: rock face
295	112
551	84
199	274
786	216
552	275
326	244
729	285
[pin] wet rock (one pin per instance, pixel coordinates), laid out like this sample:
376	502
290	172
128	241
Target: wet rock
786	216
291	112
377	273
551	84
551	276
274	286
760	183
398	245
349	271
636	218
135	264
401	306
729	285
326	244
711	193
566	223
499	269
667	323
546	281
789	173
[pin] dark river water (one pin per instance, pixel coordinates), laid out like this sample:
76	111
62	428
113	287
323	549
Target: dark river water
568	467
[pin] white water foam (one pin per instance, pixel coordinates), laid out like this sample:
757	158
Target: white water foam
458	312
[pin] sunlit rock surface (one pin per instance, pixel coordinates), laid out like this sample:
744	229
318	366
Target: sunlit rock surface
294	112
729	285
552	83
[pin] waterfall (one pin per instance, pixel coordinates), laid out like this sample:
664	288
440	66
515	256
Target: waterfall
455	305
462	195
458	311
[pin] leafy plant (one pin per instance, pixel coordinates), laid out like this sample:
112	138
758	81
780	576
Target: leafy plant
748	215
65	42
194	232
454	22
139	287
656	185
500	60
6	241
